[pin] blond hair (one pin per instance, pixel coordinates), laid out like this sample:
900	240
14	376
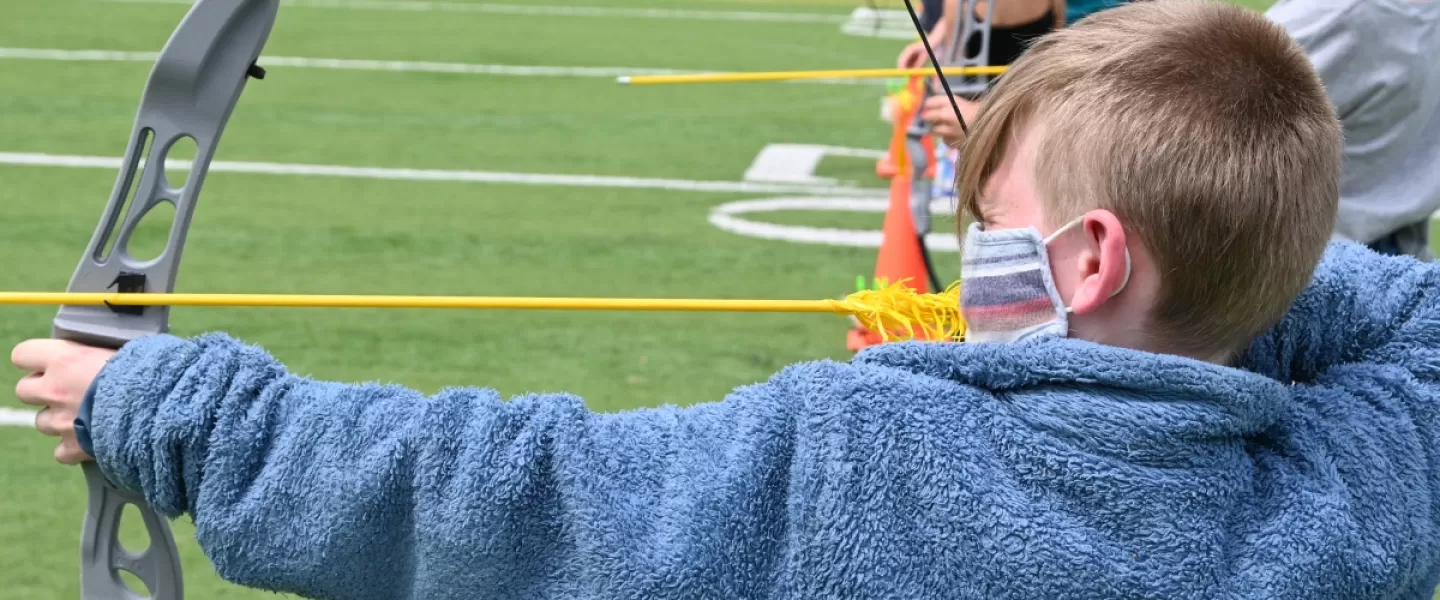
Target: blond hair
1207	132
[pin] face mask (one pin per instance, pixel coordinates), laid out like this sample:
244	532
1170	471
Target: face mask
1007	290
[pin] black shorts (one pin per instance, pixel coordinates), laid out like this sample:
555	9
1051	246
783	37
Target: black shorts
930	11
1008	43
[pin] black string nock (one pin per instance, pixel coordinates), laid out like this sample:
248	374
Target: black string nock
128	283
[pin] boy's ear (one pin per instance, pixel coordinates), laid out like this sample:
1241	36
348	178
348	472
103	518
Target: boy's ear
1103	264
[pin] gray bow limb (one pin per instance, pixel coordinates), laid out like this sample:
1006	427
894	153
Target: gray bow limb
192	90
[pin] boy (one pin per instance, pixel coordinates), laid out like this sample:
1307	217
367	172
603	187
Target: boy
1377	58
1180	158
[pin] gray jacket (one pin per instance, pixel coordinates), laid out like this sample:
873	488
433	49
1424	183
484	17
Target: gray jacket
1380	60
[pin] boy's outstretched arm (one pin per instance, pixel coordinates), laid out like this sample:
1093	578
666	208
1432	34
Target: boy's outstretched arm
370	491
1363	316
1360	349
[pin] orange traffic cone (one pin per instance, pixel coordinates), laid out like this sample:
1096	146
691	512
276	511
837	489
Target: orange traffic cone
900	259
860	338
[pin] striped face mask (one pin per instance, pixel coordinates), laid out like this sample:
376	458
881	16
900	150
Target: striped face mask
1007	290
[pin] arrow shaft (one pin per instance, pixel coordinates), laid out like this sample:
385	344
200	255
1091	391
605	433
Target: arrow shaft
800	75
382	301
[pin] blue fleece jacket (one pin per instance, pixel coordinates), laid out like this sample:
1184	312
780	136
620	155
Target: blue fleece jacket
1048	469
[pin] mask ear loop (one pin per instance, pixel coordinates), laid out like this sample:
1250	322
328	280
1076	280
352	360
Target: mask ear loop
1071	225
1063	228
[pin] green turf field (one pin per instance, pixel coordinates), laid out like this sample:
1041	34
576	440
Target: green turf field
323	234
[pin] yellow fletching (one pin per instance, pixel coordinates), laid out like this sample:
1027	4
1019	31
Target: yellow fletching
897	312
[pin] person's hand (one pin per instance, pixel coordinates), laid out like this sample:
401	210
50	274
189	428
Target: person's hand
61	373
912	57
941	116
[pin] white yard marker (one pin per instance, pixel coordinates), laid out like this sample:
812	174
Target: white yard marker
544	179
868	22
12	417
348	64
796	163
540	10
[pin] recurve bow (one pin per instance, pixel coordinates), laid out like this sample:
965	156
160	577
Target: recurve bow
192	90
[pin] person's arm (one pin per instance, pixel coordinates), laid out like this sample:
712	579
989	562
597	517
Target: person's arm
377	491
945	27
1360	350
914	56
1366	320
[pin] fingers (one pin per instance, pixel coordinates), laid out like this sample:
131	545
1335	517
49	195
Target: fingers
950	133
939	116
61	423
913	56
59	372
69	453
34	390
55	423
937	109
903	61
36	355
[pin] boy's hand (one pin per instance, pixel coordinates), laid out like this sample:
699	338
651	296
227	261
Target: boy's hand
61	373
941	116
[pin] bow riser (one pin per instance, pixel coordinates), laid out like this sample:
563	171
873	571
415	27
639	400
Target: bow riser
193	88
191	92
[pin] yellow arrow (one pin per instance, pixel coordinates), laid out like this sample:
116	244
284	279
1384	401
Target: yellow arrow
799	75
896	311
381	301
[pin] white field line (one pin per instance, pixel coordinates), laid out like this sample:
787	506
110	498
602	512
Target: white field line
540	10
16	418
394	66
544	179
728	217
347	64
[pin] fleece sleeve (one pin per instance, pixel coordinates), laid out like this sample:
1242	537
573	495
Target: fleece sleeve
1363	313
375	491
1361	350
